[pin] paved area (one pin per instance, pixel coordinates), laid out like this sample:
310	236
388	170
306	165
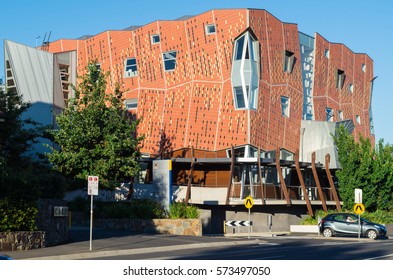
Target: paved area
106	243
115	243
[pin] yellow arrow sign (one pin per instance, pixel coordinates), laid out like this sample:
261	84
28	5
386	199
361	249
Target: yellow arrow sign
358	208
248	202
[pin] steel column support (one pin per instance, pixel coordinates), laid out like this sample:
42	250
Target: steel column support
300	176
282	181
231	173
190	175
319	188
331	183
260	176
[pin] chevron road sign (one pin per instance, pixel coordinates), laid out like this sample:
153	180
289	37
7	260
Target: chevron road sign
238	223
358	208
248	202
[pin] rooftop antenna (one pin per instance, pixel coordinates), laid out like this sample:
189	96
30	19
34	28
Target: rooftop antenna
45	43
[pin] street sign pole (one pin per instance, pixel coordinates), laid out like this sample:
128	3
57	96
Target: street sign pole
358	200
92	189
249	218
91	222
249	202
359	226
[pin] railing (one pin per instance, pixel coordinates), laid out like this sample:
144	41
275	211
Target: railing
275	192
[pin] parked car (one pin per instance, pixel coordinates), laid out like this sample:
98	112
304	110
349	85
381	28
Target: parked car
4	257
348	224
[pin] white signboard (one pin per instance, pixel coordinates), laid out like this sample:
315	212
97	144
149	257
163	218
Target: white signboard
358	196
92	185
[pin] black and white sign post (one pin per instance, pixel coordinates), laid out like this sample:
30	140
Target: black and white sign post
359	207
92	189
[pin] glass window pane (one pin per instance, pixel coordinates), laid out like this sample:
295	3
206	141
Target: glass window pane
169	60
239	48
239	98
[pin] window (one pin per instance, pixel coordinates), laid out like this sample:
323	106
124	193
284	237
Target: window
340	115
350	87
130	69
289	61
358	119
245	72
155	39
340	78
210	29
285	106
169	60
363	67
239	98
131	104
329	114
239	48
95	71
327	53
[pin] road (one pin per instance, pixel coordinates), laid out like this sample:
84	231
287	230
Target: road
280	248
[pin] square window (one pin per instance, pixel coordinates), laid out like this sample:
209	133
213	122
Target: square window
340	115
340	78
210	29
155	39
239	48
285	106
131	104
289	61
329	114
169	60
130	69
239	98
327	53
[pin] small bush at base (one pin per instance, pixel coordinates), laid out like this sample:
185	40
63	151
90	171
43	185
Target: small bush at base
183	211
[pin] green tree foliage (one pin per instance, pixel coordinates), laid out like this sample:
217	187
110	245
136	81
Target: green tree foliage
95	134
19	182
364	168
17	135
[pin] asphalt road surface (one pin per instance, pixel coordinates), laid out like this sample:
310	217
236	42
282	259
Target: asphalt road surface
280	248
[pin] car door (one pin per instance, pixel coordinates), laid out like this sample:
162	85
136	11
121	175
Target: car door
346	224
352	224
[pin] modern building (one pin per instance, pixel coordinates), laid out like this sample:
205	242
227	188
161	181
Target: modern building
237	96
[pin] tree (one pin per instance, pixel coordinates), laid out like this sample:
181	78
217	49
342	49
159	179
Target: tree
95	135
364	168
17	135
18	181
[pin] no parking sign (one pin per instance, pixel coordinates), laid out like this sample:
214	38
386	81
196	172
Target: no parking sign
92	185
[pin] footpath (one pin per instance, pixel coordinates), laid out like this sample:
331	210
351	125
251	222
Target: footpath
106	243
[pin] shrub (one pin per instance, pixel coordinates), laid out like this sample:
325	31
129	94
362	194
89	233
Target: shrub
17	215
183	211
135	209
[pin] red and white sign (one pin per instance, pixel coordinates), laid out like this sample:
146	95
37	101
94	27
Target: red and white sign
92	185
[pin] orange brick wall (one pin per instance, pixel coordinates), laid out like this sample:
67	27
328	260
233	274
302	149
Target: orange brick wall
325	92
194	104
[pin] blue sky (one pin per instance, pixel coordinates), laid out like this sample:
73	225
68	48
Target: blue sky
363	26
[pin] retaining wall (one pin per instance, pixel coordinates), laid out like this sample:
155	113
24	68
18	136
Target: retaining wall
21	240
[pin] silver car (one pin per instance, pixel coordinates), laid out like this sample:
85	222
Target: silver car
348	224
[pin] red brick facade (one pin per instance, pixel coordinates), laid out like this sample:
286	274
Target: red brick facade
194	104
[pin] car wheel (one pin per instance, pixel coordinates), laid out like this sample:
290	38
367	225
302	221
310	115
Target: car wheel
327	232
372	234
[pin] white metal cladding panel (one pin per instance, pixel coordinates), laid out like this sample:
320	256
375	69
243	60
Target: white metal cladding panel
32	71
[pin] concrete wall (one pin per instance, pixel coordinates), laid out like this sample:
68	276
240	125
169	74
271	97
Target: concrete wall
282	217
55	228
